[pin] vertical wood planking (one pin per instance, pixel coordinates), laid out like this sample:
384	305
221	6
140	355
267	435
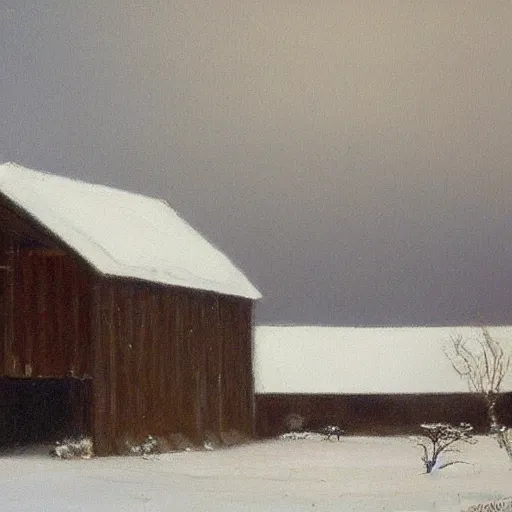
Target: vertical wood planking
51	318
8	275
102	437
185	371
77	366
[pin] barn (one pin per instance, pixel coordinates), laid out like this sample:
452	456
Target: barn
369	381
117	320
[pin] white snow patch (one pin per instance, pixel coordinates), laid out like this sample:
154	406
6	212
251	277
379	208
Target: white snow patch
312	359
359	475
81	448
297	436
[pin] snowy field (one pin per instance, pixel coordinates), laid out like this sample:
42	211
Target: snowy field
356	473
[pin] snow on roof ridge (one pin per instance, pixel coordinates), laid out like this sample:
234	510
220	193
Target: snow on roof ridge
123	233
81	181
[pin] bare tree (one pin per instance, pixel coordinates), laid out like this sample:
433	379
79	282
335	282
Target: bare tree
439	438
483	363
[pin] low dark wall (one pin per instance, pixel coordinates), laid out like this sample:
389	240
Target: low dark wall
375	414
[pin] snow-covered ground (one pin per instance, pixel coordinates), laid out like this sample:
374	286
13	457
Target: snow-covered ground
356	473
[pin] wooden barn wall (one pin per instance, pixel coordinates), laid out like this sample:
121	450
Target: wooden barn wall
45	302
6	296
171	363
374	414
51	319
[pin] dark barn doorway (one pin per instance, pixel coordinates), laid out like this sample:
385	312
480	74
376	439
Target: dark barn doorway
43	411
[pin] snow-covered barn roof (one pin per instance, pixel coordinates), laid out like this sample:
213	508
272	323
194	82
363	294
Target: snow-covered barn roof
123	234
360	360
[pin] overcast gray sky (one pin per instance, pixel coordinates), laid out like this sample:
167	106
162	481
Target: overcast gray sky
353	158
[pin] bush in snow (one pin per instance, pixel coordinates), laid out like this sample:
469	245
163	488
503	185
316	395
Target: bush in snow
80	448
440	438
295	422
332	430
150	446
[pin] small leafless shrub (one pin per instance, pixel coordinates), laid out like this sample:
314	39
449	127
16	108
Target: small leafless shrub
233	437
150	446
295	422
332	430
440	438
211	441
179	442
80	448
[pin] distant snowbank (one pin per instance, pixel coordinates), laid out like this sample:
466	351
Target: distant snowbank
360	360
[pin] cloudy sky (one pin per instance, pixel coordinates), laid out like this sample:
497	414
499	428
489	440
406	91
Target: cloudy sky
353	158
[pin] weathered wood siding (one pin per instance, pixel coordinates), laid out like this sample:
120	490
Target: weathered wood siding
375	414
51	316
6	298
44	302
45	315
169	361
